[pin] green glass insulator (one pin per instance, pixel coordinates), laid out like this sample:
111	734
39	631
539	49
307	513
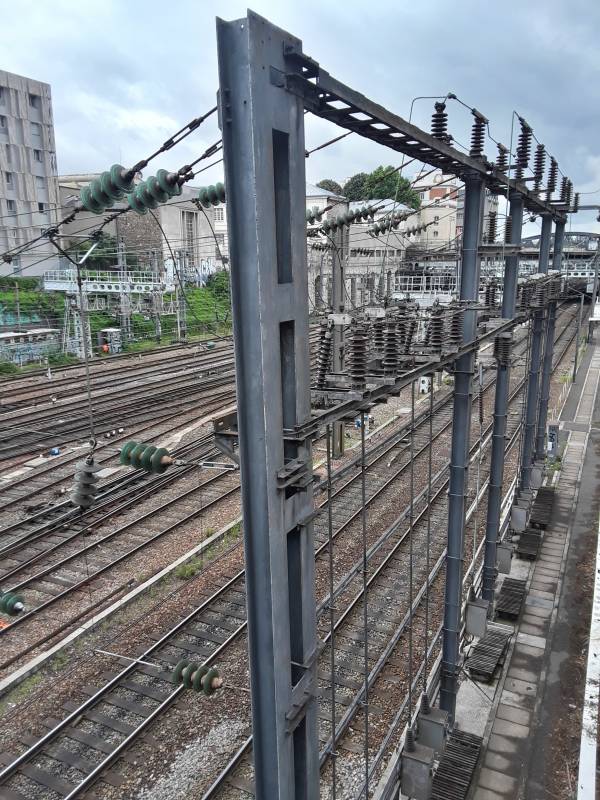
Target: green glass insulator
88	202
168	182
136	204
213	195
109	188
145	196
156	190
99	195
203	197
121	179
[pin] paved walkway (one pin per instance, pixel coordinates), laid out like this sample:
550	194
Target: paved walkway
523	749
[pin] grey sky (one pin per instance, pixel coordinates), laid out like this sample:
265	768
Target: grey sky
125	75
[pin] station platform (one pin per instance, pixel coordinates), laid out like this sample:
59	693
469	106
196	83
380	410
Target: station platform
530	717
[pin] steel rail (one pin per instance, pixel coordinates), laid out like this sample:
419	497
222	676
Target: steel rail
210	793
11	768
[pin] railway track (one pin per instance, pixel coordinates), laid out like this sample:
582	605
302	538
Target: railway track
389	599
129	702
20	393
40	417
59	426
71	571
31	492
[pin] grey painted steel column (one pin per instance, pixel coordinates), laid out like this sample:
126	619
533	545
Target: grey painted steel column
533	386
540	439
263	145
338	305
337	295
559	238
509	302
459	457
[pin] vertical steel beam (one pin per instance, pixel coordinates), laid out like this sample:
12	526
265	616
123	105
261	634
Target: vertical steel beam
533	380
509	302
578	336
459	457
338	307
263	144
559	238
535	357
540	439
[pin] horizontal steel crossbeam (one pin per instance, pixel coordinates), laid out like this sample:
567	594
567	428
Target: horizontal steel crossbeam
330	99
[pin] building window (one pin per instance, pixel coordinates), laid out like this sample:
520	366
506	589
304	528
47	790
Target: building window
219	244
2	96
42	208
37	155
34	100
436	220
11	206
8	176
2	121
436	233
36	129
8	154
40	182
188	220
219	216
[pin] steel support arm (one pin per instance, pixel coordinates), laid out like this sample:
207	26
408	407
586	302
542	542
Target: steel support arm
509	302
459	458
263	146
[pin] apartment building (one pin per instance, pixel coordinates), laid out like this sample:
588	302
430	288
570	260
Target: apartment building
28	173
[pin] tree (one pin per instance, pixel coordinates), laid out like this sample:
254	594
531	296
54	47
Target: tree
103	257
218	283
354	188
384	183
330	186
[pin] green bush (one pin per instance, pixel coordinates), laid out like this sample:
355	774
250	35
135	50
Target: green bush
8	368
189	569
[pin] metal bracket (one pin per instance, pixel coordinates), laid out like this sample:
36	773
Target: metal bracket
295	473
302	693
340	319
226	434
219	464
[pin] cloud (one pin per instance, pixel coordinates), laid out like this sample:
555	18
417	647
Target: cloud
126	75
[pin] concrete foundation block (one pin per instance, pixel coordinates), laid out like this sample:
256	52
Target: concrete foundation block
417	772
476	617
433	729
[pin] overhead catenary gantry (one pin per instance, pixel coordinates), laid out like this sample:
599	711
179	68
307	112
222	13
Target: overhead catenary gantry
266	83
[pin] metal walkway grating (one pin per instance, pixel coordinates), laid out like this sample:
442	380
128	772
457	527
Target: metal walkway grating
454	774
541	513
529	544
511	598
487	655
